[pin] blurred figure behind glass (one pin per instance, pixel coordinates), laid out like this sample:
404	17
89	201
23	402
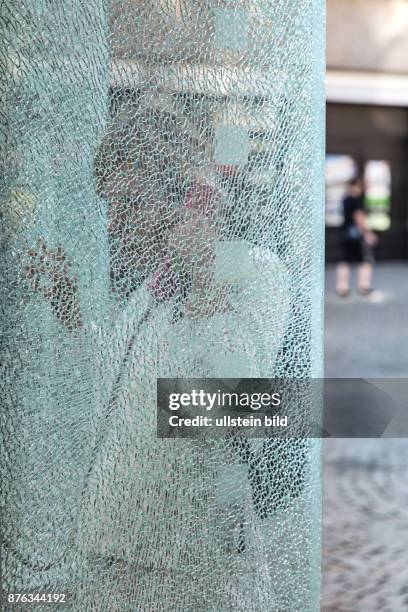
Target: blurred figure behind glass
357	242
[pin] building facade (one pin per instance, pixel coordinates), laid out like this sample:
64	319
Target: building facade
367	119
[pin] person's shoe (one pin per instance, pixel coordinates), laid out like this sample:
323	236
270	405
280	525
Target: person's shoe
364	291
343	292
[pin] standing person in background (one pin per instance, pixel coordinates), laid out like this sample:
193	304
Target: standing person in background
357	242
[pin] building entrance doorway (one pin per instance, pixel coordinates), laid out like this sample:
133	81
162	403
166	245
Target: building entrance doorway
371	142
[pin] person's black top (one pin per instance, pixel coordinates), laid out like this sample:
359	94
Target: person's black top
350	205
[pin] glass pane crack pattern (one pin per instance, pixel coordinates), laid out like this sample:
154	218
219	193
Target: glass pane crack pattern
162	216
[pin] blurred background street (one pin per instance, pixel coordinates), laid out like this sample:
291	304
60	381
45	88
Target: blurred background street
365	497
365	500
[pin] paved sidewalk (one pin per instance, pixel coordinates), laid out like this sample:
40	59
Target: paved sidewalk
365	505
368	337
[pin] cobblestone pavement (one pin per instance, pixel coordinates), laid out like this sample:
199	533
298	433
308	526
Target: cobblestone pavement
365	501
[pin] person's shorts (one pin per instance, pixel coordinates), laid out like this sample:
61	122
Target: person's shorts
357	251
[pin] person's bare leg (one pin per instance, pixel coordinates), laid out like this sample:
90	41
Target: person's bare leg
343	279
365	277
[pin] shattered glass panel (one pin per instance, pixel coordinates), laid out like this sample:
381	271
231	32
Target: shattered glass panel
162	215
